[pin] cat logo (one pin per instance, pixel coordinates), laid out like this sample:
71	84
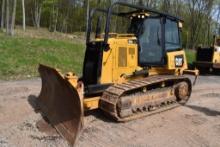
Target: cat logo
179	61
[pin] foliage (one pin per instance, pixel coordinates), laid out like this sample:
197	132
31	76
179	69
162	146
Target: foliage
200	16
191	56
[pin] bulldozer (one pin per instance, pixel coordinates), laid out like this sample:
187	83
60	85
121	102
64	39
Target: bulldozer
208	58
125	75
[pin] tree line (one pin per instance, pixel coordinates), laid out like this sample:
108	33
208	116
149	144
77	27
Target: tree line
200	16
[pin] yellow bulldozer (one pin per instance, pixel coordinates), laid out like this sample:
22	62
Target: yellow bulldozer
126	75
208	59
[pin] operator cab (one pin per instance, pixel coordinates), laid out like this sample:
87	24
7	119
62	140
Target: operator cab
156	34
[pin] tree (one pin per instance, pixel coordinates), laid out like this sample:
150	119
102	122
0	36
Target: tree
87	13
13	18
10	17
36	12
23	15
7	16
54	17
217	25
199	13
3	15
165	7
201	17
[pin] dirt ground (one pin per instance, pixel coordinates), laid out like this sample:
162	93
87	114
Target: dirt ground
196	125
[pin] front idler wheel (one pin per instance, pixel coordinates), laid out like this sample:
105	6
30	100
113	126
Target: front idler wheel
182	92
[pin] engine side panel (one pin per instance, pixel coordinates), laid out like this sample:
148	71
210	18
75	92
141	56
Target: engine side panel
122	59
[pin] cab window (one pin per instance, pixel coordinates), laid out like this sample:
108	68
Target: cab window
172	37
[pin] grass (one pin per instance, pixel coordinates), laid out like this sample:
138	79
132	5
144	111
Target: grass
20	56
191	56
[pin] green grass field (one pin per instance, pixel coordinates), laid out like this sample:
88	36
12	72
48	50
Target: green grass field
191	56
20	57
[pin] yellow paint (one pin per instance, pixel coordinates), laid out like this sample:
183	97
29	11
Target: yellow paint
122	60
112	71
72	78
216	57
191	72
91	103
171	60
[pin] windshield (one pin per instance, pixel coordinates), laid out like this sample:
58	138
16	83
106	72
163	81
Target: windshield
172	39
149	37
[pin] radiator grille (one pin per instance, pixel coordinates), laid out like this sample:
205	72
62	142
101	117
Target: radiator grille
131	51
122	57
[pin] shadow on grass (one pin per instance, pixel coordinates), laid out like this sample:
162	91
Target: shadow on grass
206	111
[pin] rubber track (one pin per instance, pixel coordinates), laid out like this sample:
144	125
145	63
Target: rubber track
110	97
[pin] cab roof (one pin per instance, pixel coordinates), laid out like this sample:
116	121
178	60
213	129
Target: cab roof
137	9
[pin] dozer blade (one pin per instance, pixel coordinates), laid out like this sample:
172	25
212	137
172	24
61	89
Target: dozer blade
61	104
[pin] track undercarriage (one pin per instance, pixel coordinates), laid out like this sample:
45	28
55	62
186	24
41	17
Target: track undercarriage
139	98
